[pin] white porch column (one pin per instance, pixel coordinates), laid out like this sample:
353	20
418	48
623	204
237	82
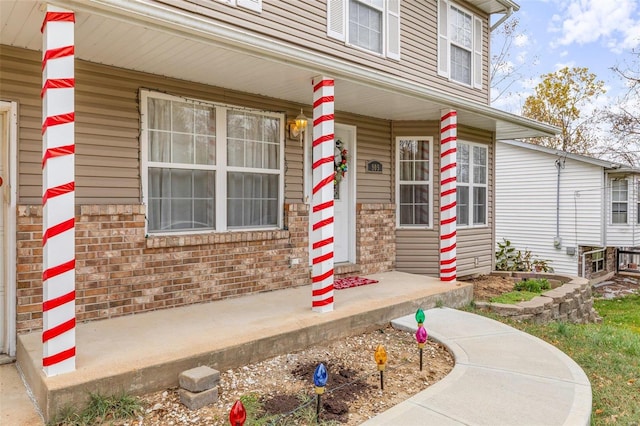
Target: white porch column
58	192
448	142
322	195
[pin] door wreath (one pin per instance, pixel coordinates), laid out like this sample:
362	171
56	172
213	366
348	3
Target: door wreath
340	162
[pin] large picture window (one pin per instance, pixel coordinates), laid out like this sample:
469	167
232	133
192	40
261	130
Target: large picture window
459	44
619	201
372	25
413	164
209	167
472	177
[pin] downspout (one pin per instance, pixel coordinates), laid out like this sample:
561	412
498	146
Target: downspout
557	241
508	13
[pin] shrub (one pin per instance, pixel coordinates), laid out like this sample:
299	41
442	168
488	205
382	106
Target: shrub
533	286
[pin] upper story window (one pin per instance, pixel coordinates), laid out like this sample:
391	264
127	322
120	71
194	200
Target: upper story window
459	44
372	25
413	165
472	179
210	167
255	5
619	201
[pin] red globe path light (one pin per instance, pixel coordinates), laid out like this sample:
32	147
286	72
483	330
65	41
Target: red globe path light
380	355
237	415
421	338
320	377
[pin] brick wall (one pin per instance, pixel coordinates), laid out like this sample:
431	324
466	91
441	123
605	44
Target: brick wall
121	271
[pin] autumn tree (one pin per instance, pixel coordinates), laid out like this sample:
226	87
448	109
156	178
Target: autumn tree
561	99
624	117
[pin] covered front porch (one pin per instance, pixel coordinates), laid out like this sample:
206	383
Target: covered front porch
146	352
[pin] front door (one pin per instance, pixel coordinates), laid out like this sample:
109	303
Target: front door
344	248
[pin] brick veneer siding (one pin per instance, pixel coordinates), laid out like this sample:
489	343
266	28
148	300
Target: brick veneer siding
375	237
121	271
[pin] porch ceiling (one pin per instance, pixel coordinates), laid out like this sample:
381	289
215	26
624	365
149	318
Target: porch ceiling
156	40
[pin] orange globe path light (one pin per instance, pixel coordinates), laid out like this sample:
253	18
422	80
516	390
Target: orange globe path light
421	338
380	355
237	415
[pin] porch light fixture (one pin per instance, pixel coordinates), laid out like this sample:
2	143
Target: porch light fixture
297	127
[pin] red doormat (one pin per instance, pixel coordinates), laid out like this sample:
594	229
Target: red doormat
349	282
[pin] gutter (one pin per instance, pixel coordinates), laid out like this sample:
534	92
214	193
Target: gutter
506	16
178	22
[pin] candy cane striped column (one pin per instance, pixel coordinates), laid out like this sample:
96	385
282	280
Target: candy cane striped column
448	138
58	199
322	196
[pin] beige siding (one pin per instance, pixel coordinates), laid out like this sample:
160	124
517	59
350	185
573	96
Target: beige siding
107	131
418	250
303	23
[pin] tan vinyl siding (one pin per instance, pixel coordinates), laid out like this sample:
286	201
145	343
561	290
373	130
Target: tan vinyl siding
418	250
303	23
107	131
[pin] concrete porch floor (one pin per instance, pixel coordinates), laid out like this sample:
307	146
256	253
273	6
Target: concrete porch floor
146	352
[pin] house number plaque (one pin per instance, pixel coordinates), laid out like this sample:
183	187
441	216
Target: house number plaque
374	166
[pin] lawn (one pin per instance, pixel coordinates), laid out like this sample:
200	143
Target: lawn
609	354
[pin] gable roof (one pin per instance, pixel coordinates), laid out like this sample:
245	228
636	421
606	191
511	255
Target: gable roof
605	164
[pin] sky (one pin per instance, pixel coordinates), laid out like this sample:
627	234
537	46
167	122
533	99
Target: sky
551	34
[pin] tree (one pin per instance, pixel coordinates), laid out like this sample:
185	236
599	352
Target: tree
504	71
624	117
559	100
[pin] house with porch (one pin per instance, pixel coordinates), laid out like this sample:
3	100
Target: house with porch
162	153
580	213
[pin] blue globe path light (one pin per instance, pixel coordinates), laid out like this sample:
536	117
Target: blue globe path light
421	338
320	377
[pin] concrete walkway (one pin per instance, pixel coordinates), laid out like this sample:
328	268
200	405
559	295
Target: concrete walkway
502	376
16	408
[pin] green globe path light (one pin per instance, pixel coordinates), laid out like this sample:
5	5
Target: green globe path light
420	316
320	377
380	355
237	415
421	338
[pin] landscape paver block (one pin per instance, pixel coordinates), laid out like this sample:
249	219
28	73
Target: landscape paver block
197	400
199	379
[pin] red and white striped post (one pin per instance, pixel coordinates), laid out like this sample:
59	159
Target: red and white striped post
448	139
58	188
322	197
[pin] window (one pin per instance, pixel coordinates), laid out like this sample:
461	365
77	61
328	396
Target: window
619	201
210	167
472	177
372	25
597	261
459	45
638	202
413	165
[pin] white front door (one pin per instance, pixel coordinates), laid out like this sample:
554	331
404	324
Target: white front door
344	247
8	130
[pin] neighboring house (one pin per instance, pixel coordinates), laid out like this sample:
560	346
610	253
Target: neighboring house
572	210
191	182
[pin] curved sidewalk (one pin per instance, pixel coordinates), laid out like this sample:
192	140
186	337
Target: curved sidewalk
502	376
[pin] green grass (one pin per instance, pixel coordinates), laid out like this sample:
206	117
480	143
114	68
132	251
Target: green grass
609	354
514	297
623	312
100	409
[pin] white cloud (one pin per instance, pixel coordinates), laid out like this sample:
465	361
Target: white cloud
614	23
521	40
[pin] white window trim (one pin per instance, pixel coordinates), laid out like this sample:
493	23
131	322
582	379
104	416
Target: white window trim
597	261
338	27
430	182
443	62
611	222
220	167
471	185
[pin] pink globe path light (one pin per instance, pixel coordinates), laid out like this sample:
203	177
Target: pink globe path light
421	338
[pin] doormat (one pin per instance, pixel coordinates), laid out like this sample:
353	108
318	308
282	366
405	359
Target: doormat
349	282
